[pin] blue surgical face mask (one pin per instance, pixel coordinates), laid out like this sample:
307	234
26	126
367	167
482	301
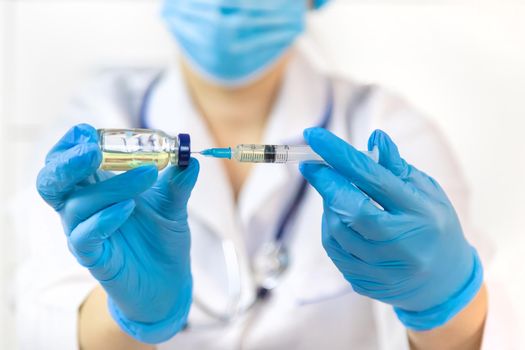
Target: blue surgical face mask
234	42
319	3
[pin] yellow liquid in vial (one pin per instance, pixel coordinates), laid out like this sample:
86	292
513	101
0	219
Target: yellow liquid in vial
115	161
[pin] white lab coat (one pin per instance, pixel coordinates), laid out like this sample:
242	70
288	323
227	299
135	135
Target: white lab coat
313	307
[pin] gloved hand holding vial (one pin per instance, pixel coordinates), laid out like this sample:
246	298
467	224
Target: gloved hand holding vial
129	230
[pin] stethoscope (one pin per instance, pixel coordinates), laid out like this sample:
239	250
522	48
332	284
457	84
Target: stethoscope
272	259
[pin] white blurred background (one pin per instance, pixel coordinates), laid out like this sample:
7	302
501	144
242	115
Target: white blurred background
462	62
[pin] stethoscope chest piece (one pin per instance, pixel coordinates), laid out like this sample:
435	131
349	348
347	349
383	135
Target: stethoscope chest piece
269	264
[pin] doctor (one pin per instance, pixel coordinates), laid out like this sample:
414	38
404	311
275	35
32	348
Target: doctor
378	254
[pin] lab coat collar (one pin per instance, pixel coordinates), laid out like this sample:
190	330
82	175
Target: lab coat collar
300	104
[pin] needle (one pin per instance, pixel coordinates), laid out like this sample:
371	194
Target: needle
224	153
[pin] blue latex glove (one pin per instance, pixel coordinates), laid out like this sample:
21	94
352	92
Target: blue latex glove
413	254
130	231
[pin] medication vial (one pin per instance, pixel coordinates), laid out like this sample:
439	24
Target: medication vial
125	149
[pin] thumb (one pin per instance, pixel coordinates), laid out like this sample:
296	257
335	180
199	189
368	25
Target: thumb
174	188
388	154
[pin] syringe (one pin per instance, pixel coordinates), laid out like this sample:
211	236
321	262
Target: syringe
272	154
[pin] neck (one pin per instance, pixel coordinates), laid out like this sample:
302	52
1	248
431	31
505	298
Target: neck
235	113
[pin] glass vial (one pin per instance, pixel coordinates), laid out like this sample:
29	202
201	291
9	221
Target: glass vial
125	149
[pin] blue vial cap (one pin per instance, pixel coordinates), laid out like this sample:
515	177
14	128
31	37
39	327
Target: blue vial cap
184	150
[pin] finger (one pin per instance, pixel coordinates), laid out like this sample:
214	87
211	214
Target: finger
86	201
348	239
87	239
390	158
351	266
376	181
59	177
79	134
356	270
372	252
173	190
352	206
388	153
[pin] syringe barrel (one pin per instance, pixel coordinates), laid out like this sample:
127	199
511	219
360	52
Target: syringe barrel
302	153
281	154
